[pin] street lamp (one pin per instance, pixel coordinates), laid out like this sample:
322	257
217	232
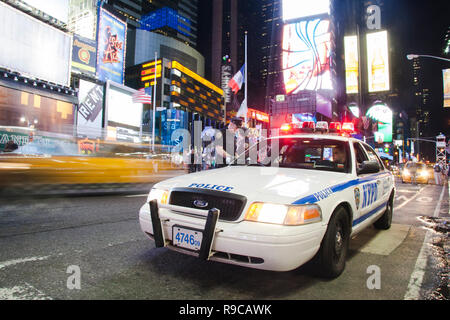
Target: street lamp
415	56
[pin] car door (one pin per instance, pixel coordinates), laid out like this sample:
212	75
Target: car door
367	190
385	181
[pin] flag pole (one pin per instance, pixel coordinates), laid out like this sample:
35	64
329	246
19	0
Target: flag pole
154	106
245	79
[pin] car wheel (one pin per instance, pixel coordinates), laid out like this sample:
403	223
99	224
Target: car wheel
332	254
385	221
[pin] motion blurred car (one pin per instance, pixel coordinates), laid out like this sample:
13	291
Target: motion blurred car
415	172
83	165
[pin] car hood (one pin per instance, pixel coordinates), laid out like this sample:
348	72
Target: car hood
269	184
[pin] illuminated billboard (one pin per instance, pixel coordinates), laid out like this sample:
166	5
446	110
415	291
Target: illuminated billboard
84	55
296	9
446	78
307	56
351	64
34	48
90	109
381	113
378	61
111	39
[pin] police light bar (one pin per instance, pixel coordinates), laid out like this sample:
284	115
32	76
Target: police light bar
335	127
348	127
309	126
285	127
322	126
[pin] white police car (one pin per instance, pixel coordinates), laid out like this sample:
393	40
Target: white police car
314	195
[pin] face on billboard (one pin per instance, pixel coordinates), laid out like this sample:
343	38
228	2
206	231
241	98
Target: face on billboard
295	9
378	61
351	64
111	47
446	78
306	56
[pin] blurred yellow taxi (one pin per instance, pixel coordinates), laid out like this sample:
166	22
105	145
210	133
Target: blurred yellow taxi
86	163
416	172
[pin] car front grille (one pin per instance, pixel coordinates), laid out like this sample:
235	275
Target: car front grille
229	204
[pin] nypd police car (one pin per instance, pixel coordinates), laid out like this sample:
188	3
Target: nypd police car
305	204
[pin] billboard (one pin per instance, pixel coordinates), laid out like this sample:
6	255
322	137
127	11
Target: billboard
307	56
123	116
351	64
34	48
90	109
84	55
296	9
58	9
381	113
446	79
111	39
378	61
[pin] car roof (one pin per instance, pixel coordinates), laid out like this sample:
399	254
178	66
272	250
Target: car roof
316	136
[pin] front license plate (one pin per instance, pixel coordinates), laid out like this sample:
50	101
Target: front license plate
187	238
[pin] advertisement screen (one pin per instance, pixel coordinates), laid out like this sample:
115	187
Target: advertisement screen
351	64
295	9
84	55
306	56
383	115
111	40
378	61
446	77
90	109
124	118
34	48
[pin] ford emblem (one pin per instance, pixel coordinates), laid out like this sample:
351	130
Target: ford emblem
200	204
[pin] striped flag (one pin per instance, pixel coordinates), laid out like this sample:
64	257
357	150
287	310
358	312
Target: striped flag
236	82
143	95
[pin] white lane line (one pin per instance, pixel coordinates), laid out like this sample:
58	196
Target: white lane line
407	201
8	263
415	282
136	195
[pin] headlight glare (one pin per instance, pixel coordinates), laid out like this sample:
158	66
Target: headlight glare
292	215
160	195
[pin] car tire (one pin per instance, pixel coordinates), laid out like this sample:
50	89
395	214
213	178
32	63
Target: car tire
332	255
385	221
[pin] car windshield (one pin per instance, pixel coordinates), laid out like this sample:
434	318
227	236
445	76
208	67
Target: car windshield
416	166
299	153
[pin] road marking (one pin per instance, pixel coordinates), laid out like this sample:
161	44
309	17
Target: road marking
25	292
8	263
407	201
136	195
415	282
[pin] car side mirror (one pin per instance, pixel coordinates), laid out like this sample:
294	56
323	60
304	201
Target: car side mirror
371	166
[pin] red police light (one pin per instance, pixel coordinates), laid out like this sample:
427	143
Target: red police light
285	127
335	127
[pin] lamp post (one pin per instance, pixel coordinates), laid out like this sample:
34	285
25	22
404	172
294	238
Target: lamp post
412	56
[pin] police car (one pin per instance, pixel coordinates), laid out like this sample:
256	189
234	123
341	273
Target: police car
306	203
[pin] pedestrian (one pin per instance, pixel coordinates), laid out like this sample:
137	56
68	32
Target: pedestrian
228	142
437	173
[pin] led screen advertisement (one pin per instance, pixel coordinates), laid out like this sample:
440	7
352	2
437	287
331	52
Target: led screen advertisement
296	9
381	113
446	78
111	40
90	109
34	48
307	56
378	61
351	64
123	116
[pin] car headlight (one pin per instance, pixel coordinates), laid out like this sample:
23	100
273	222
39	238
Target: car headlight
160	195
291	215
406	172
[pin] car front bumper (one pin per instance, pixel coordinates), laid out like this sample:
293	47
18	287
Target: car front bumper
250	244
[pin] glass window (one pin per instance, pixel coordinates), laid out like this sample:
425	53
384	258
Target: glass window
360	155
373	156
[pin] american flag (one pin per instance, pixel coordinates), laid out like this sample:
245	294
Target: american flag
143	95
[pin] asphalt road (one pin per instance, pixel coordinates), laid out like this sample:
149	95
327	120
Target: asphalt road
47	243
